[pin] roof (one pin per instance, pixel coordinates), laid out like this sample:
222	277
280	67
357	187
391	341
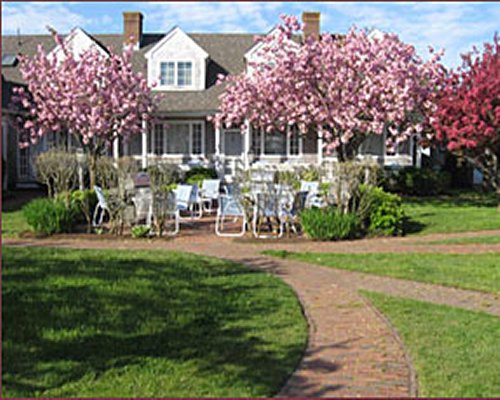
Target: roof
226	52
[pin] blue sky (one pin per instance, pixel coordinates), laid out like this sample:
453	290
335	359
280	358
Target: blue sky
454	26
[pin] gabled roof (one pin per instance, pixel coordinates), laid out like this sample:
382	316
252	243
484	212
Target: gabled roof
226	56
75	33
257	46
170	34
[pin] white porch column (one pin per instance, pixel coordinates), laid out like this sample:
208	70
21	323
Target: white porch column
418	161
144	158
116	148
320	147
217	142
246	145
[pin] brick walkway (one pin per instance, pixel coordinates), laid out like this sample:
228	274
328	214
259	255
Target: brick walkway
352	350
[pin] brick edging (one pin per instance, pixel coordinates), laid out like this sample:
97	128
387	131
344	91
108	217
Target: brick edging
412	378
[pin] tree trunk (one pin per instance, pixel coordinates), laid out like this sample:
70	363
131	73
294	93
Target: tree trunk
92	169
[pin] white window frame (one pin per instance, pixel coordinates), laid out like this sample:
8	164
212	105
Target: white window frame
176	77
166	125
277	156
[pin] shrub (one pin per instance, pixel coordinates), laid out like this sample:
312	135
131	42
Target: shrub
49	216
140	231
380	212
196	175
418	181
329	224
162	176
58	170
84	202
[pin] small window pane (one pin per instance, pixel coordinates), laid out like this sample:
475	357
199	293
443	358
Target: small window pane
197	139
294	141
167	73
178	139
256	141
159	139
184	73
275	143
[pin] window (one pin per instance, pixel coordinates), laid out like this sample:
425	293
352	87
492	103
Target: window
178	139
256	141
167	73
158	140
184	73
233	142
275	143
178	73
294	142
197	139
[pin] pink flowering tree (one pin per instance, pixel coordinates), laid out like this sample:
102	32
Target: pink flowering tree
345	88
467	119
94	97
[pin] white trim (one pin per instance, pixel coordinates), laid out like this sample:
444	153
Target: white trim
165	125
144	153
320	147
150	53
176	86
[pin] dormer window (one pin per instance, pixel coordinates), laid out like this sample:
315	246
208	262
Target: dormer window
178	73
167	73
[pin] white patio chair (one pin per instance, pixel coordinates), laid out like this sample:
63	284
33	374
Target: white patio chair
143	202
209	192
186	197
230	207
101	206
269	205
313	198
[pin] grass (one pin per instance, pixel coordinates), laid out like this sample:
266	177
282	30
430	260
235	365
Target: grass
460	212
466	240
454	351
466	271
87	323
13	221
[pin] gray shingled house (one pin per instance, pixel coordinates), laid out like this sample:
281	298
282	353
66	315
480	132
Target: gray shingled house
186	66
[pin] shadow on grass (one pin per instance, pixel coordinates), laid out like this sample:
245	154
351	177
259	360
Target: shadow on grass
72	314
411	225
15	200
459	198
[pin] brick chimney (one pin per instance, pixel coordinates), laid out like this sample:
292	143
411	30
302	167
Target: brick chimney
132	28
311	24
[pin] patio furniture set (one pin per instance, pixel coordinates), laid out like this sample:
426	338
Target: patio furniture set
265	208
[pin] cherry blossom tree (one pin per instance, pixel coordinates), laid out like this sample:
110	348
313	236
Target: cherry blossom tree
467	119
94	97
346	88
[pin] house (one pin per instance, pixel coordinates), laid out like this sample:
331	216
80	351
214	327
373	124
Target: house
186	66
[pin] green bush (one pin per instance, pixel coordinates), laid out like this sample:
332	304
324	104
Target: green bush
50	216
329	224
196	175
140	231
418	181
84	202
381	212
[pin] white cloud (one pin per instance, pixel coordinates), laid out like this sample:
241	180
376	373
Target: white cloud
213	16
34	17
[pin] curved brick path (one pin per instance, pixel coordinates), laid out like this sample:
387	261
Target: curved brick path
352	350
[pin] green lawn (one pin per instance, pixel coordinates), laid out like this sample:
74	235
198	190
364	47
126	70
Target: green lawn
466	240
467	271
461	212
13	222
144	324
454	351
